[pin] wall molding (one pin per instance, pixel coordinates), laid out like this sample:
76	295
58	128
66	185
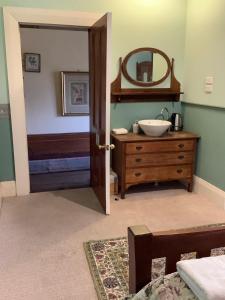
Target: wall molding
7	189
202	105
210	191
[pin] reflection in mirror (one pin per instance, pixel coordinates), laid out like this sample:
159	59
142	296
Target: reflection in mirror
139	66
146	66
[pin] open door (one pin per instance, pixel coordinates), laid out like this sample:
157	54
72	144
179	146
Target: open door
100	71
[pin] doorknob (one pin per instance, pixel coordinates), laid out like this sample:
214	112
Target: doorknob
106	147
111	147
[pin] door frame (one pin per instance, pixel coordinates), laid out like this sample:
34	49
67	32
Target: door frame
13	16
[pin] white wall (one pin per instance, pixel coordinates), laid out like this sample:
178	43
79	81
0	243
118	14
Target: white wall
60	51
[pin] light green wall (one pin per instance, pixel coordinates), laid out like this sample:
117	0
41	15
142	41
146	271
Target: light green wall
205	49
135	23
3	70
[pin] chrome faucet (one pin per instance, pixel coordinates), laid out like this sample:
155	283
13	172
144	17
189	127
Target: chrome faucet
168	114
161	115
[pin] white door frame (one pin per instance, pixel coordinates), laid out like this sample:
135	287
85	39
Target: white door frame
13	16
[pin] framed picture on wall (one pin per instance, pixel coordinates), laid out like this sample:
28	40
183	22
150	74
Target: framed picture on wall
32	62
75	93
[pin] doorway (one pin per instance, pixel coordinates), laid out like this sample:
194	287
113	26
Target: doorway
99	30
56	89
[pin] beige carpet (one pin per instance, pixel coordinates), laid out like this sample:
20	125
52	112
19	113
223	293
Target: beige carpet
42	235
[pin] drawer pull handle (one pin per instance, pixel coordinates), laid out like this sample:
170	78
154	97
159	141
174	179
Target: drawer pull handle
181	156
137	174
139	148
138	159
181	145
179	171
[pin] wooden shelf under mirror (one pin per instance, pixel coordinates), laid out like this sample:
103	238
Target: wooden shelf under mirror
119	94
136	95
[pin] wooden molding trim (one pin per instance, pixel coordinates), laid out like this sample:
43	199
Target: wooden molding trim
7	189
13	16
60	145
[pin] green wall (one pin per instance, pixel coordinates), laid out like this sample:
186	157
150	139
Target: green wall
204	51
204	56
209	123
6	154
135	23
123	116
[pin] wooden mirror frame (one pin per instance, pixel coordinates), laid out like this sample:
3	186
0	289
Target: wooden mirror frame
145	84
149	94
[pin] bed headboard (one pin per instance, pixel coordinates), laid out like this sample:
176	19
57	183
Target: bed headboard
144	246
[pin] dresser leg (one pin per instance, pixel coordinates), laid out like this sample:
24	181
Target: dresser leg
122	194
122	191
190	186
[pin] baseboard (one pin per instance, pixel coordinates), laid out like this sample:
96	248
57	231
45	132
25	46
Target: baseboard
210	191
7	189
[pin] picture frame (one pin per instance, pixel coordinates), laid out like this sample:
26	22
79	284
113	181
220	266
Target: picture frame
75	93
32	62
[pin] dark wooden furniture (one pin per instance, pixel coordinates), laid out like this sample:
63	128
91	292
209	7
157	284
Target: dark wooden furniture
145	245
139	158
119	94
60	145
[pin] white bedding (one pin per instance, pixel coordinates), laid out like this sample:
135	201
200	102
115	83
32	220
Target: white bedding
204	276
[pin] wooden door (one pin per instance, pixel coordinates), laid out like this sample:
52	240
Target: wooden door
99	65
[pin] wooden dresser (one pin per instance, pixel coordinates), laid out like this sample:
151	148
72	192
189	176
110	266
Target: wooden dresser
139	158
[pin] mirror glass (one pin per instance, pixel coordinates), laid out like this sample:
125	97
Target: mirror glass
146	67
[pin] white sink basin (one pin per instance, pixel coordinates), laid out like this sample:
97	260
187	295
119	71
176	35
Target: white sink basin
154	127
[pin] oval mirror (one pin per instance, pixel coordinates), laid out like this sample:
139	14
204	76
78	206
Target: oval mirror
146	66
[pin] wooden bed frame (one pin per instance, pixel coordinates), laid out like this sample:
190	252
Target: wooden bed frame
144	246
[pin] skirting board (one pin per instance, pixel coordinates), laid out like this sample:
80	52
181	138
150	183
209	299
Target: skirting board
7	189
210	191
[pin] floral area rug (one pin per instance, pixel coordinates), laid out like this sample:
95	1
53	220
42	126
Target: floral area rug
108	262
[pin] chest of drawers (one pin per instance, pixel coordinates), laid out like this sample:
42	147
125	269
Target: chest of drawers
139	159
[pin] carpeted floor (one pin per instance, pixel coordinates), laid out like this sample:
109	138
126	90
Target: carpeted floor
42	235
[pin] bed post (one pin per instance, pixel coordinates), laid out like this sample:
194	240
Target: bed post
140	256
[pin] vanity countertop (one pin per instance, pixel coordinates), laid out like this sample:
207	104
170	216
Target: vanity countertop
176	135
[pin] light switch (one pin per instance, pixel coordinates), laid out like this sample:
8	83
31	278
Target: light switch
208	84
208	88
209	80
4	110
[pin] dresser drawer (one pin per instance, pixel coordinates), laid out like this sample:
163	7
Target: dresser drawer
138	175
165	146
158	159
